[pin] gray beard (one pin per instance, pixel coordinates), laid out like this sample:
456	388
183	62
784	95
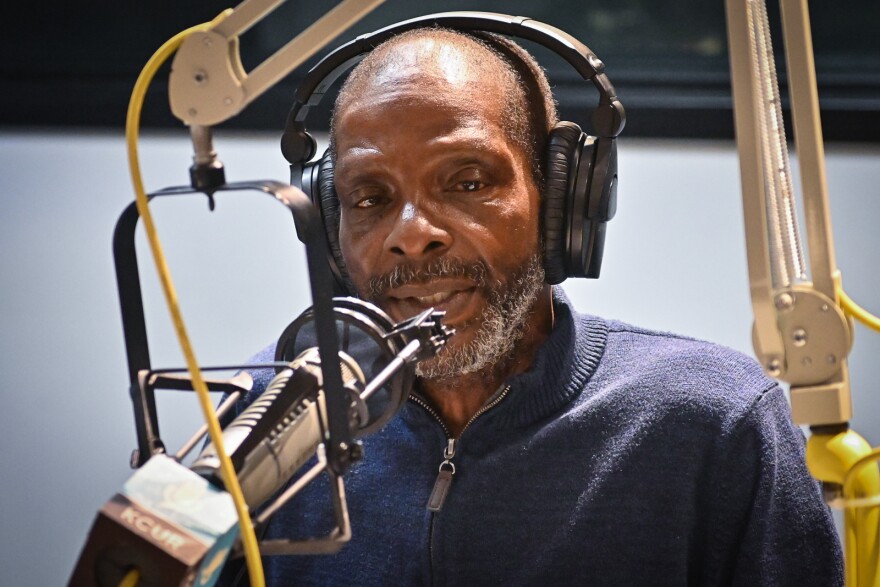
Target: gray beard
502	325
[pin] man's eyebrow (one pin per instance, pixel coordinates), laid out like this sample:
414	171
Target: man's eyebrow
357	161
460	148
360	151
355	174
465	141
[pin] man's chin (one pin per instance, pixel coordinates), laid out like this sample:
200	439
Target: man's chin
457	358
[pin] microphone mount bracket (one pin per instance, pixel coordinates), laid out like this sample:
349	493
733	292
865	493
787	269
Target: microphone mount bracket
310	232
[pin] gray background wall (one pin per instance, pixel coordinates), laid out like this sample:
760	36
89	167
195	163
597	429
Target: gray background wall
675	260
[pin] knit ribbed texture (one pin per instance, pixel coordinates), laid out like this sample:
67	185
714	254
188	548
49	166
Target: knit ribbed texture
624	456
560	370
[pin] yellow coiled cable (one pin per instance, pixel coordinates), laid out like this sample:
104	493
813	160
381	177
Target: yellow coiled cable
850	308
132	124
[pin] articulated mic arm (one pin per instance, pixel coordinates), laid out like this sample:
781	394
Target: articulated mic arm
208	84
801	334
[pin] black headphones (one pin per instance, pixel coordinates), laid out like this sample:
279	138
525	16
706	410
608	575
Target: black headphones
580	192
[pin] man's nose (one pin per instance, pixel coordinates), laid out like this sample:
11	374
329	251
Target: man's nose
416	233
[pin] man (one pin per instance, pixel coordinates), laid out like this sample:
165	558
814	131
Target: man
581	451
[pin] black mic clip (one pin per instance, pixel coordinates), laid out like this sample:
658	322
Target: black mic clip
428	329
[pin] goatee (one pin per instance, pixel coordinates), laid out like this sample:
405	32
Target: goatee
500	326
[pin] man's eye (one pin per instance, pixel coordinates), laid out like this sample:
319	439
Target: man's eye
367	202
470	185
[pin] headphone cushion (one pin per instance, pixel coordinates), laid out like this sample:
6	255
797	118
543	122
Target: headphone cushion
562	145
329	204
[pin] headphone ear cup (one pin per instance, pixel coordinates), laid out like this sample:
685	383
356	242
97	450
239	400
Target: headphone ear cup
328	202
563	149
297	145
601	206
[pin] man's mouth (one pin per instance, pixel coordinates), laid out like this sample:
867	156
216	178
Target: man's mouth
432	292
453	297
437	298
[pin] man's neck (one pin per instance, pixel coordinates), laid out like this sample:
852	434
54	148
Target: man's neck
458	399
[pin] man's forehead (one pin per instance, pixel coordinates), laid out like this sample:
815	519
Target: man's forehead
427	60
398	122
432	62
431	85
419	107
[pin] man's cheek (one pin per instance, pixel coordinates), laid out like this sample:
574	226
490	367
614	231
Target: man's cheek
361	283
353	261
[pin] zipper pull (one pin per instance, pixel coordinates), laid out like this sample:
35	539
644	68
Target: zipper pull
444	478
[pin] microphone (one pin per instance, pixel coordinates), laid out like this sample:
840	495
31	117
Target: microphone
281	430
177	526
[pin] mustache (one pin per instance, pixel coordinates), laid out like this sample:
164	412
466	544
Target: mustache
419	273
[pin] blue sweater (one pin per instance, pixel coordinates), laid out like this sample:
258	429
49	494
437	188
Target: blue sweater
623	457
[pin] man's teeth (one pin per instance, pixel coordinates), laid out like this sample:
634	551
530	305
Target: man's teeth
437	298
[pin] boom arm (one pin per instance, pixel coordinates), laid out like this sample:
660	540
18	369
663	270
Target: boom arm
801	335
208	84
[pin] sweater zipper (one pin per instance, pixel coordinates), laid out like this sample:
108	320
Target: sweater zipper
447	468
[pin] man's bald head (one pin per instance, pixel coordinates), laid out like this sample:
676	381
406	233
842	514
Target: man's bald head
472	63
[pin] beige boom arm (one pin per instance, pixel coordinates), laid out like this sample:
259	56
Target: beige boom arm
208	84
800	334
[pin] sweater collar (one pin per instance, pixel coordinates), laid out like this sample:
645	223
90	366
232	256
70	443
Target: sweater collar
562	367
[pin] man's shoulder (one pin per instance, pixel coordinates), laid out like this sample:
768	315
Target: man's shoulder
261	376
702	357
677	373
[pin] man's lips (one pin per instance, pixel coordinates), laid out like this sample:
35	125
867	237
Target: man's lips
450	295
432	292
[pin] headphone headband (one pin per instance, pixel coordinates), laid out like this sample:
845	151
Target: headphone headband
580	185
608	118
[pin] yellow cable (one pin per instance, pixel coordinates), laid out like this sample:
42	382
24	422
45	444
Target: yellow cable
872	566
849	477
132	123
131	578
851	308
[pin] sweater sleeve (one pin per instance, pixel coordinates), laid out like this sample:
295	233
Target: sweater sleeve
770	525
